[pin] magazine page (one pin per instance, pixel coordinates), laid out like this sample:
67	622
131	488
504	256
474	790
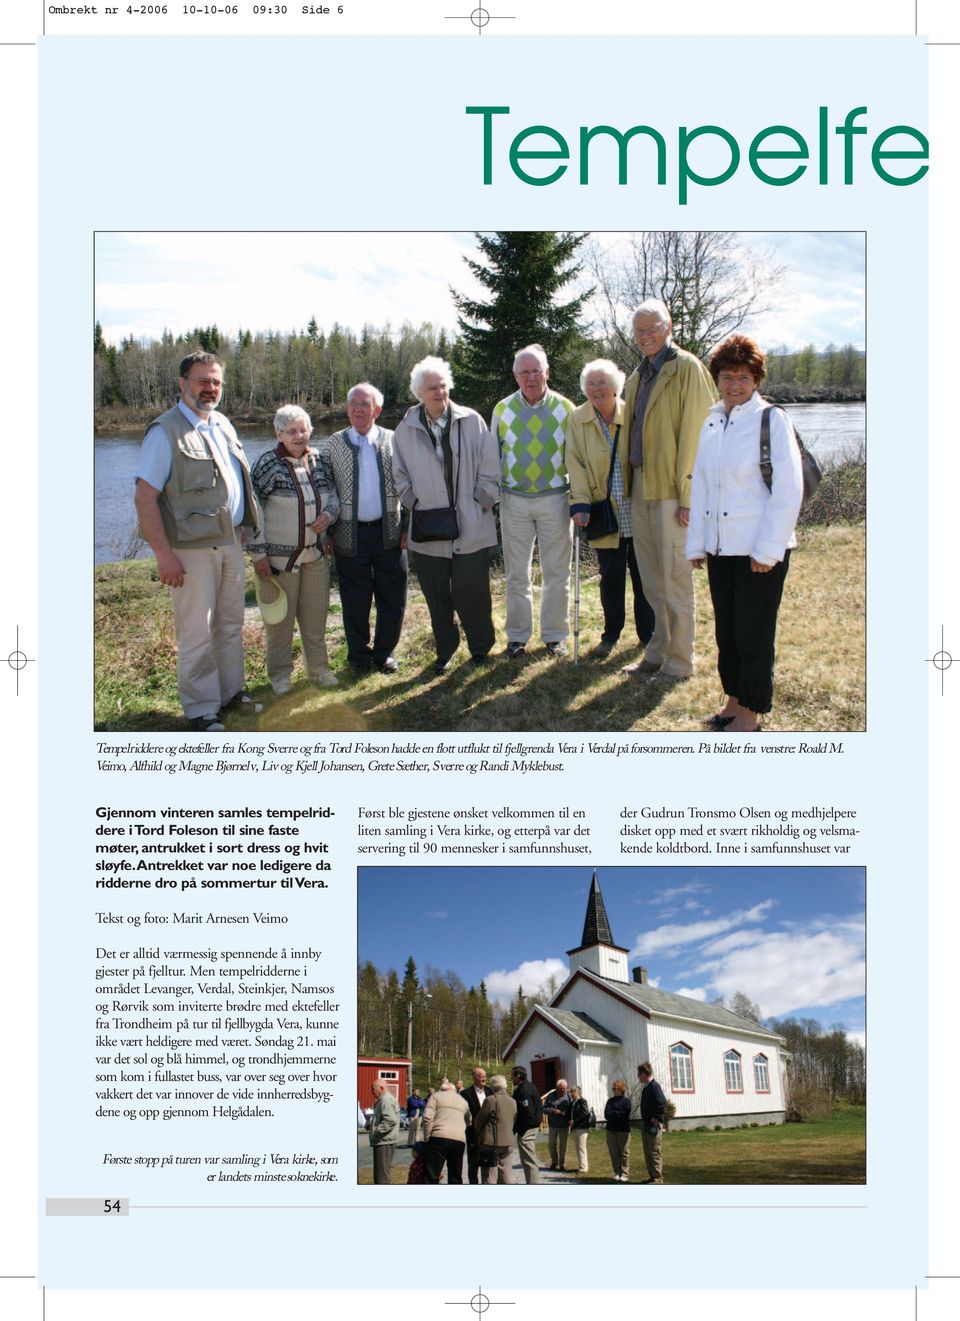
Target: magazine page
484	757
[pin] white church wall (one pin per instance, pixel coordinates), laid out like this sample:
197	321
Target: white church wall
710	1097
593	1077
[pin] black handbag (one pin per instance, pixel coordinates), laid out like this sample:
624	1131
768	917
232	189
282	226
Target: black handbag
435	524
439	524
487	1157
603	518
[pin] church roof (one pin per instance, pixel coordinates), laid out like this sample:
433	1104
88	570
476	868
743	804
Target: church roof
580	1029
582	1026
654	1001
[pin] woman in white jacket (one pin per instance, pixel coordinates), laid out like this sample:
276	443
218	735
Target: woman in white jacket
744	529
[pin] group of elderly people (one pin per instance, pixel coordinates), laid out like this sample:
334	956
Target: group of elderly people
482	1122
655	471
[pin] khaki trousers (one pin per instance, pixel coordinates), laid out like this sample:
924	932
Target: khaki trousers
652	1154
546	520
208	619
557	1145
383	1154
580	1136
527	1148
660	545
618	1145
308	600
502	1172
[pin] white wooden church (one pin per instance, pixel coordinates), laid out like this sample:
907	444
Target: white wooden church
716	1067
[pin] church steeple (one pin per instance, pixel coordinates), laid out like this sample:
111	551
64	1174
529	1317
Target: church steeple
596	925
596	951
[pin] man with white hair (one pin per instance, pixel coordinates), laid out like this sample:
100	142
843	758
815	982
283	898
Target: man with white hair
534	505
195	503
557	1106
369	536
384	1130
445	461
667	399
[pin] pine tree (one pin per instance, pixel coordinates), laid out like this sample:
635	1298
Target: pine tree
524	273
411	983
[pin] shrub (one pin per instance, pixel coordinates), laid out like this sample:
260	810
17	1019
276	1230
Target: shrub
841	496
806	1101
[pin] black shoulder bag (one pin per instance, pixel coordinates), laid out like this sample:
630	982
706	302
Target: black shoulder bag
809	467
438	524
603	517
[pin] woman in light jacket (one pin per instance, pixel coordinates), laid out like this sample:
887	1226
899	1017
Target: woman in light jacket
446	464
595	431
494	1129
580	1128
445	1119
744	529
294	485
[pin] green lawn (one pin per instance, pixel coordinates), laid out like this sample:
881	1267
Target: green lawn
820	664
822	1151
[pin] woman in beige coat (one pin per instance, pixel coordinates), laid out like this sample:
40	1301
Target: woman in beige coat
494	1129
445	1119
598	465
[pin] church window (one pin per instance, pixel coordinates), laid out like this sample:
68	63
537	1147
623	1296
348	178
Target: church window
681	1068
732	1071
761	1073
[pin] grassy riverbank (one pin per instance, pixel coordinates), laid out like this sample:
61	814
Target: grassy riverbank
820	664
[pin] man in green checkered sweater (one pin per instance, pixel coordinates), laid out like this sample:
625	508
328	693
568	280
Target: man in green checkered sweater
534	503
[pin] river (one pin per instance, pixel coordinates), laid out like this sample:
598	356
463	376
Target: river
827	429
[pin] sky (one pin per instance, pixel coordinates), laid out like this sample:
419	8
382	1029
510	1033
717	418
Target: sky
791	938
147	282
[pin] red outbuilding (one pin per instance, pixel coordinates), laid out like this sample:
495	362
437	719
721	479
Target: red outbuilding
393	1072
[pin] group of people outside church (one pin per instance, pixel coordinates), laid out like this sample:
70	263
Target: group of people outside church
489	1129
657	472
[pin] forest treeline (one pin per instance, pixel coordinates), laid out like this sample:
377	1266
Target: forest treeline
457	1027
136	379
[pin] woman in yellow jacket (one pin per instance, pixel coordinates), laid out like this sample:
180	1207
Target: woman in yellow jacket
599	466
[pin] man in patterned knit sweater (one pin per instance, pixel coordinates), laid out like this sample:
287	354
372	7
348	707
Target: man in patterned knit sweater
534	503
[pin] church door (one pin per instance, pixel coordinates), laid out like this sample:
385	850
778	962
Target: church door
544	1074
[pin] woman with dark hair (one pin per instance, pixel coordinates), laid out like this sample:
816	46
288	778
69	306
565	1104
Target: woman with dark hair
743	517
